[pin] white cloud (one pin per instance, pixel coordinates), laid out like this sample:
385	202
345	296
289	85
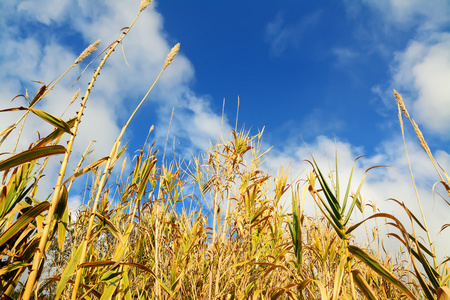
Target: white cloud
431	79
411	13
42	13
420	69
380	184
421	72
43	56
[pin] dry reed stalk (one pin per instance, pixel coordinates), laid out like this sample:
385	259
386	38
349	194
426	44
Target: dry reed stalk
111	159
59	185
402	108
418	132
157	243
37	260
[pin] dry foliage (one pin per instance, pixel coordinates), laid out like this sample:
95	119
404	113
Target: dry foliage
209	228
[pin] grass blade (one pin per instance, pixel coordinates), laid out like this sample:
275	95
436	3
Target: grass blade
51	119
55	134
23	221
377	267
69	270
363	285
338	277
30	155
87	169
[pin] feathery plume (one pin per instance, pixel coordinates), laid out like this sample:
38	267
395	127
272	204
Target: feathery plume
171	55
421	138
87	51
75	97
401	104
419	134
144	4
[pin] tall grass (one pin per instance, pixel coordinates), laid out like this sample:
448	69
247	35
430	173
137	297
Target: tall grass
211	227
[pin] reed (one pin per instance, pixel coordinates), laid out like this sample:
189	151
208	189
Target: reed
209	227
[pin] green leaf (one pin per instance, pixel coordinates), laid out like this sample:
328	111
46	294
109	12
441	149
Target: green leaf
23	221
148	169
339	276
109	275
39	95
61	204
381	270
55	134
164	286
62	229
55	121
333	202
110	288
69	270
30	155
363	285
425	287
126	286
13	266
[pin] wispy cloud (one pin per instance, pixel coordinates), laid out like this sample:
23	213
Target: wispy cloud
345	56
281	36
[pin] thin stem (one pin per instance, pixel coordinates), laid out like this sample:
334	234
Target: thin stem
56	194
109	164
41	249
415	188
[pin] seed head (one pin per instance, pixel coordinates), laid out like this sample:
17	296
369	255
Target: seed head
87	51
171	55
75	97
144	4
421	139
401	104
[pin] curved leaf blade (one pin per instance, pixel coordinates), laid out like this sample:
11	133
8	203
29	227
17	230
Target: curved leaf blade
23	221
87	169
30	155
51	119
55	134
380	269
363	285
69	270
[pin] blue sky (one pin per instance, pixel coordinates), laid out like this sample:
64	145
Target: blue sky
321	72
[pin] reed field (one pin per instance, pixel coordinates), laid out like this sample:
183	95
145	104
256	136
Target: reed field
208	227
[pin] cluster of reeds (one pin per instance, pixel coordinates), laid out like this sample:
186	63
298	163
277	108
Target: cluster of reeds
212	227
